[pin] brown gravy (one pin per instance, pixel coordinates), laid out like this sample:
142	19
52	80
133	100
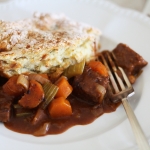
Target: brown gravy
83	113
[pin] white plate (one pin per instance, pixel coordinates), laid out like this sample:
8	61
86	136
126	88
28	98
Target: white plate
110	131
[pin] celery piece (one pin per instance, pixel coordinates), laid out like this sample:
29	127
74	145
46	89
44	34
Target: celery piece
73	70
50	91
16	106
20	111
21	114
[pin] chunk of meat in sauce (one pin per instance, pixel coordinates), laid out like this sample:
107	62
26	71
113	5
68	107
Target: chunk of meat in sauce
129	60
90	86
5	106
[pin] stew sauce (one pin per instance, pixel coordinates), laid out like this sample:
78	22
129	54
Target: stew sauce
83	113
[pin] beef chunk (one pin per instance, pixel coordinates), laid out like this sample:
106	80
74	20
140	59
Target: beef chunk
90	86
129	60
5	106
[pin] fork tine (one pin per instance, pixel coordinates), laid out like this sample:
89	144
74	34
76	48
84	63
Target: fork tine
110	75
115	71
119	86
123	73
125	77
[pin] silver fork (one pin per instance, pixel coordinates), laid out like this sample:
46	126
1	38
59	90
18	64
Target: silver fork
120	90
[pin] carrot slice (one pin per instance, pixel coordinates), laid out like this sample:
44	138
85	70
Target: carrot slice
12	88
65	88
34	96
98	67
60	107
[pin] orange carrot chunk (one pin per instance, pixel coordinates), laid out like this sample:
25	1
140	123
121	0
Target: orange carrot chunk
98	67
65	88
34	96
12	88
60	107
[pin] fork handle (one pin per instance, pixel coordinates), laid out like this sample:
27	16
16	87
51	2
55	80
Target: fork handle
139	134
